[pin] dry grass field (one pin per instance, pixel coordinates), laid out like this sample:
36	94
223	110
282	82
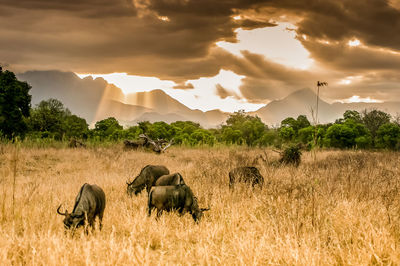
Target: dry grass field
341	208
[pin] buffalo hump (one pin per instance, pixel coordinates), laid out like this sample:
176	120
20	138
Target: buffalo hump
170	180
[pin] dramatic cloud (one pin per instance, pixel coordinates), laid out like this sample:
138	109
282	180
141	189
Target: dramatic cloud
176	40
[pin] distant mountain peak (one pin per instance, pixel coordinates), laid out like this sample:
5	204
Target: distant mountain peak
304	94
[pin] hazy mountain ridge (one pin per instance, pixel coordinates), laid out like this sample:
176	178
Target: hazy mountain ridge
96	99
303	102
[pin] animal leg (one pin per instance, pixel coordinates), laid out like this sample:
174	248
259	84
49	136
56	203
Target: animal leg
159	212
184	210
100	221
231	181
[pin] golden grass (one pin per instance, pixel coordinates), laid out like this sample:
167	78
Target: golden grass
342	208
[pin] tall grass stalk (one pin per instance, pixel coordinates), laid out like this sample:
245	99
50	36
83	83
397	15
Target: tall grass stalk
14	162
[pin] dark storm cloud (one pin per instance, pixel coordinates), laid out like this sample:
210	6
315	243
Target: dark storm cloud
87	8
248	24
175	39
99	37
373	21
343	57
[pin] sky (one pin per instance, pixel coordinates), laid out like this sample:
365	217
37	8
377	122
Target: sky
227	54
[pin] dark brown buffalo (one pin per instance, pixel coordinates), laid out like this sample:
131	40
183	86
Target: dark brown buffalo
170	180
169	198
89	203
245	174
147	178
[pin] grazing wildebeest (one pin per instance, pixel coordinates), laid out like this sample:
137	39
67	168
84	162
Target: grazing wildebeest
74	143
171	198
246	174
170	180
89	203
147	177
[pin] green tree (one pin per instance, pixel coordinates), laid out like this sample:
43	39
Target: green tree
349	114
302	122
295	124
232	136
269	138
144	126
306	135
49	117
290	122
133	132
106	128
347	135
352	114
15	103
160	130
75	126
373	120
388	136
237	119
340	136
287	133
202	136
251	128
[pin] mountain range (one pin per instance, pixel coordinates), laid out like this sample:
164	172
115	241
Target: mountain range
96	99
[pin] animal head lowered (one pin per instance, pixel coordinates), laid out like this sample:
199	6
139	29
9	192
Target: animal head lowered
132	189
197	213
146	178
71	220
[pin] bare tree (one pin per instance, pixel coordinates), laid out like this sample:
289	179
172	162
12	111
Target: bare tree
159	145
319	84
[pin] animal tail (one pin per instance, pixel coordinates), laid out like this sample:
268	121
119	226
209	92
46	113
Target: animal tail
149	202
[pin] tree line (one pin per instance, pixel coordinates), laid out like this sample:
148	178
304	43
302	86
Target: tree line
51	120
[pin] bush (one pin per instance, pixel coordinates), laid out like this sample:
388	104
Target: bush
291	155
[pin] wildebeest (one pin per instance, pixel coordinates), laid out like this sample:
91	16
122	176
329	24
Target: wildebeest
74	143
246	174
89	203
171	198
147	177
170	180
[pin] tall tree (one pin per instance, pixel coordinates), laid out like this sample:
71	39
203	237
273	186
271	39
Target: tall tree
49	116
373	120
250	127
106	127
15	103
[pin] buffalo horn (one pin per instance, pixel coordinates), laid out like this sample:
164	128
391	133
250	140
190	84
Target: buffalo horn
58	211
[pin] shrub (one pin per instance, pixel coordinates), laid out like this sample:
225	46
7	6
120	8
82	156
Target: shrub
291	155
